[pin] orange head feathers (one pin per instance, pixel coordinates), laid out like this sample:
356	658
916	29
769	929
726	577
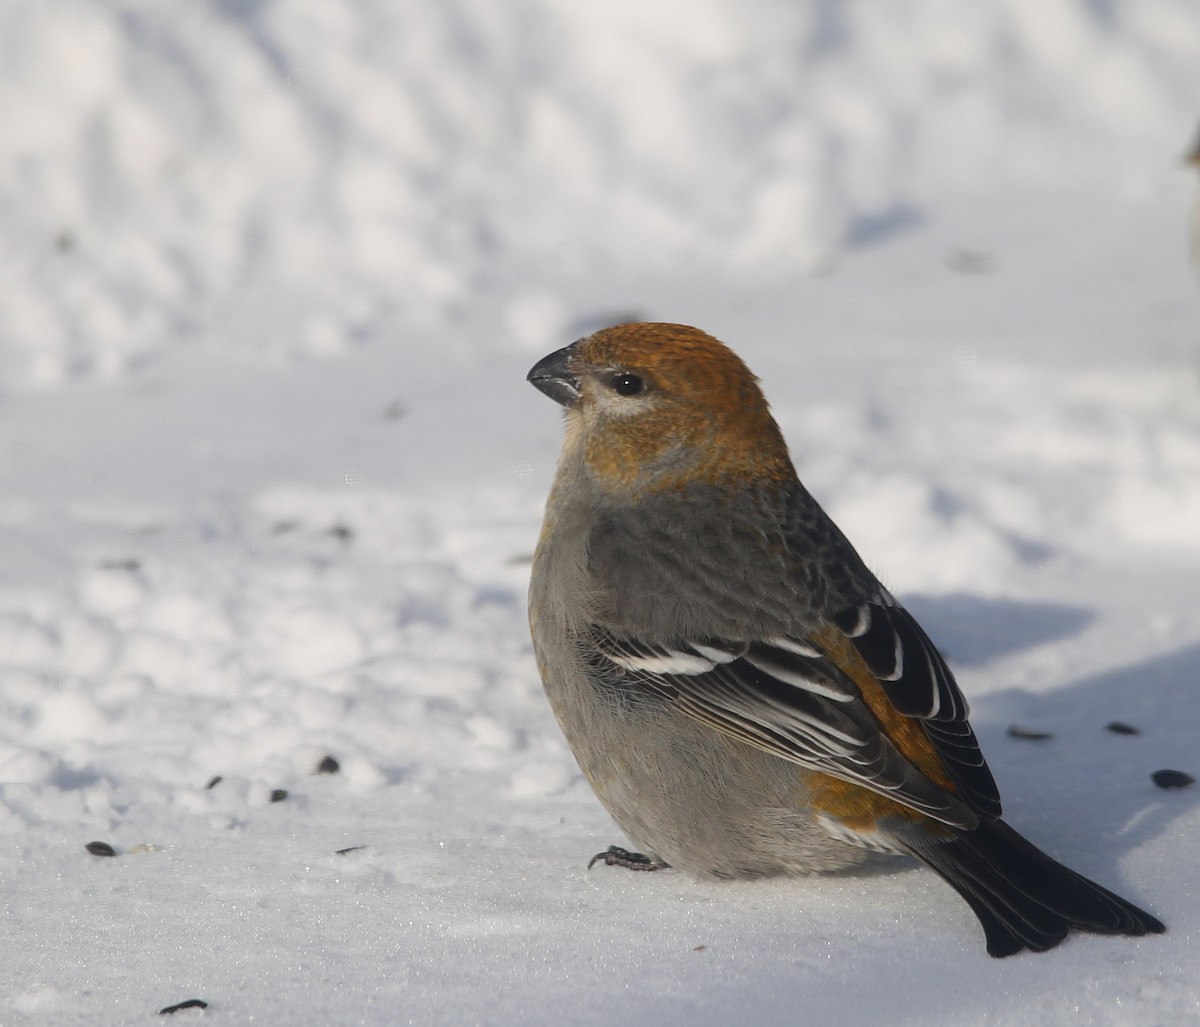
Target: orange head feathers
652	407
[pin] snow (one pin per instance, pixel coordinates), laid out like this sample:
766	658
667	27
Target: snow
270	476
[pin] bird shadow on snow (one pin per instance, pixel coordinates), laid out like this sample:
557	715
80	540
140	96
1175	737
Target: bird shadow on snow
1085	793
971	630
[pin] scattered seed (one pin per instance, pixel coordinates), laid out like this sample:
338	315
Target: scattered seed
343	533
192	1003
1119	727
352	848
328	766
279	794
1172	779
100	849
214	781
1016	731
969	262
128	564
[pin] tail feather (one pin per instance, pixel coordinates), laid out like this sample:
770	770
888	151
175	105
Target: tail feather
1007	935
1022	897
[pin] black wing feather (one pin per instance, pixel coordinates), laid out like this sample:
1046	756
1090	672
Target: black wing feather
917	680
785	697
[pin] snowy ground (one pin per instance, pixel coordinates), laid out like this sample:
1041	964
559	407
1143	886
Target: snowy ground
270	476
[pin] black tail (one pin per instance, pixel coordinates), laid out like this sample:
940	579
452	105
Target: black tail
1023	898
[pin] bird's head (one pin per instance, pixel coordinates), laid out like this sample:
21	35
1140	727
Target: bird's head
652	407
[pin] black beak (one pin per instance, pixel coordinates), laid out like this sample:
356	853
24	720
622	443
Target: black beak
553	376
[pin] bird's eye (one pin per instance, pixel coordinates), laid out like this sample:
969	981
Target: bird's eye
627	384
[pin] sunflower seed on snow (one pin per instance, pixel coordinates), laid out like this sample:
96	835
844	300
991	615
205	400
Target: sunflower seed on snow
191	1003
1024	733
1172	779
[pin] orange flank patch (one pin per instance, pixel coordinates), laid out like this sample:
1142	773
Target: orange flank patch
853	806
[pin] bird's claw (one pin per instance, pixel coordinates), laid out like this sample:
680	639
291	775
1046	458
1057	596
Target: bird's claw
615	856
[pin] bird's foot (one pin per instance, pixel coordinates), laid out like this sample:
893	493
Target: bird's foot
615	856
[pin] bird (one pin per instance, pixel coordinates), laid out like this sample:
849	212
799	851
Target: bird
743	695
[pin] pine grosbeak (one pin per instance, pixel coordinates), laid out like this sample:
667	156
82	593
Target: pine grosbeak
739	689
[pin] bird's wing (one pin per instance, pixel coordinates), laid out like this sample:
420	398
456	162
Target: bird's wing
812	701
917	684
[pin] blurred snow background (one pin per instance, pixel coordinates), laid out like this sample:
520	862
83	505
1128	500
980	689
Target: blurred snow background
272	274
304	177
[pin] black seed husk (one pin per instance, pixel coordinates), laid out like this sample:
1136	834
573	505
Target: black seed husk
1016	731
126	564
1172	779
191	1003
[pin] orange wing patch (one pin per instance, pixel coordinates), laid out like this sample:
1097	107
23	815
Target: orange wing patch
853	805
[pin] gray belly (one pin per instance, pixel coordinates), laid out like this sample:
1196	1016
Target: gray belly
694	797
